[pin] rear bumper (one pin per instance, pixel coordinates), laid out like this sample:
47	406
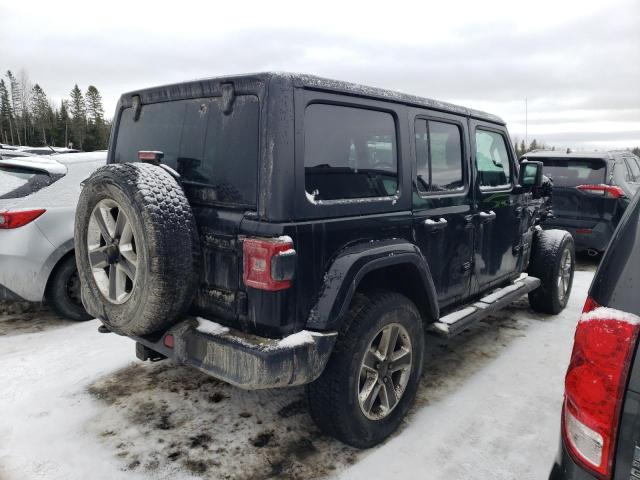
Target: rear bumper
7	295
565	468
24	253
244	360
594	238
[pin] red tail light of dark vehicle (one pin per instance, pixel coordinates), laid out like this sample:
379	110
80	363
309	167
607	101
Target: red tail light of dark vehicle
269	263
608	191
595	383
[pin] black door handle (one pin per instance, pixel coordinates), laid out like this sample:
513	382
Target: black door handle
433	225
487	216
468	221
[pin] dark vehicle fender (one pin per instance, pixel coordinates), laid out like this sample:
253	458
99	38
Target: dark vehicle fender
397	261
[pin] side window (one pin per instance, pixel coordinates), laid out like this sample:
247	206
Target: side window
349	153
492	160
439	157
634	168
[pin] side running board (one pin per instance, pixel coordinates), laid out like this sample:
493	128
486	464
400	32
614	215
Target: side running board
457	321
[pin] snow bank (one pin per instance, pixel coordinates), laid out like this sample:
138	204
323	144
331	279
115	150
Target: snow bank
210	328
604	313
497	385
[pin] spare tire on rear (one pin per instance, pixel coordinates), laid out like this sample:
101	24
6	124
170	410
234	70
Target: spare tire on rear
136	248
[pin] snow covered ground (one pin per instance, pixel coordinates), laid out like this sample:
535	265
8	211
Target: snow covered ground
76	404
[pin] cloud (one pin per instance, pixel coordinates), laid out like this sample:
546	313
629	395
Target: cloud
576	62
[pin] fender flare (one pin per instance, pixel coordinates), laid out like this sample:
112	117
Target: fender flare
351	265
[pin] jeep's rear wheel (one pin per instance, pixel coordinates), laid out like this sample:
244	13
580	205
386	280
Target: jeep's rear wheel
136	248
372	376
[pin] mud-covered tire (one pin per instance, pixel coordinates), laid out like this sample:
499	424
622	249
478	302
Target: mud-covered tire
166	247
63	291
548	257
333	397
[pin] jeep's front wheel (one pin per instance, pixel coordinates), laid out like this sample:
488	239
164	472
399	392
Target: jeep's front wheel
553	262
372	376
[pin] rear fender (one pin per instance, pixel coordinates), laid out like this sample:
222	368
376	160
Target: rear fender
349	268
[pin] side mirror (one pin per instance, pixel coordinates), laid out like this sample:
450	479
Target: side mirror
530	175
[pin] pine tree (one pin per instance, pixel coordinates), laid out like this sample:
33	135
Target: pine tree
534	145
96	132
62	125
523	148
40	114
636	151
78	118
95	111
6	115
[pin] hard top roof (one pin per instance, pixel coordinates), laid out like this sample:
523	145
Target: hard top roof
604	155
196	88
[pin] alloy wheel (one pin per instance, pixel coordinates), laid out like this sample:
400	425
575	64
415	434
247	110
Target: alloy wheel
113	254
564	275
384	371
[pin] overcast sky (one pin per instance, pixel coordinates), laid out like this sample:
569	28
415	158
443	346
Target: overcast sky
577	62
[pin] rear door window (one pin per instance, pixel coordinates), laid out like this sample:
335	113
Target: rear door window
205	145
634	169
349	153
439	157
20	182
573	172
492	160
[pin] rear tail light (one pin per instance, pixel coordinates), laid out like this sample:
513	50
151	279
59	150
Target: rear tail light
19	219
150	156
595	384
607	191
269	263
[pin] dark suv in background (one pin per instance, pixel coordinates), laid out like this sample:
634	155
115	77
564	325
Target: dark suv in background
276	230
590	193
601	413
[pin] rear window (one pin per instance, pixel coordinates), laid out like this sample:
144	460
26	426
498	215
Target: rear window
572	172
349	153
20	182
206	146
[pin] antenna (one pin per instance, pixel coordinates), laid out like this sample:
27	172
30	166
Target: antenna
526	122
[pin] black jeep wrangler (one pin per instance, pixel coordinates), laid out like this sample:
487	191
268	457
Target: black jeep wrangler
277	229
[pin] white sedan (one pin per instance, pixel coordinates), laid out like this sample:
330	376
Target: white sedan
38	198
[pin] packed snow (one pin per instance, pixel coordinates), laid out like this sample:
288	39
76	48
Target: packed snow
209	327
603	313
300	338
76	404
